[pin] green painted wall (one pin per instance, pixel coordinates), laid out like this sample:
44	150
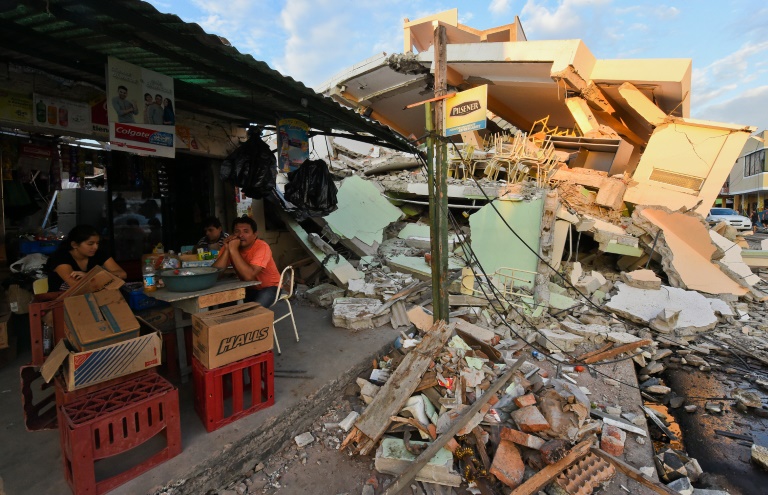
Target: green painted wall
363	212
496	246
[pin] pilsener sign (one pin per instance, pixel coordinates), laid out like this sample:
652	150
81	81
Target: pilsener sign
466	111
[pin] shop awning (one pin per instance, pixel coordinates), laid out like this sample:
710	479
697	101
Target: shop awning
73	38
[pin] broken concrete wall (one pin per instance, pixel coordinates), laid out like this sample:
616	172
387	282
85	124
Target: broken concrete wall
686	163
494	243
686	250
363	212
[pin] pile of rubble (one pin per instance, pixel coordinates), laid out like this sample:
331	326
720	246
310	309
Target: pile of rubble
581	280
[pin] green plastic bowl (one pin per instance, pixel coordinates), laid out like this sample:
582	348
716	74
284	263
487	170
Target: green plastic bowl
203	278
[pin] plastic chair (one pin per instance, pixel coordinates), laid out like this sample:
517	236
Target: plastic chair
282	295
40	286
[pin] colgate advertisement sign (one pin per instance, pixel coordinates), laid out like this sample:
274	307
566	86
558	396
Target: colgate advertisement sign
140	109
141	139
143	135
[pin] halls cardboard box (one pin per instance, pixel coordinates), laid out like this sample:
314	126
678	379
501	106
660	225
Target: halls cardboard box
82	369
97	319
96	280
230	334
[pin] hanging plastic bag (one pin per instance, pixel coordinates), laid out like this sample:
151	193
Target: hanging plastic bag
311	189
252	167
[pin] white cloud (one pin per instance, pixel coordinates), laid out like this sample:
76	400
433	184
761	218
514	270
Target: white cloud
561	22
665	12
322	38
499	7
715	80
747	108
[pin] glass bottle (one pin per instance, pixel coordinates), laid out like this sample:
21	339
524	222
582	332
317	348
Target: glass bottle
150	282
47	339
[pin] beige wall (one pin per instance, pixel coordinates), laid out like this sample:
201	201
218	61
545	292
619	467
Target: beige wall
689	149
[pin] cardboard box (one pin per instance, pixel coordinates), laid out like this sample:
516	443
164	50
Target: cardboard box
230	334
162	318
98	319
82	369
19	299
4	330
96	280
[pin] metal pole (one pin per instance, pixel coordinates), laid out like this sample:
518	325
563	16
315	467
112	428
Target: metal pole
441	171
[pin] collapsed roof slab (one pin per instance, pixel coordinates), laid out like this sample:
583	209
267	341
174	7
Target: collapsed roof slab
496	246
338	269
642	305
665	81
686	163
455	191
523	79
686	250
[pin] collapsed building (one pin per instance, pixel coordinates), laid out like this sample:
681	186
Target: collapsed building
578	223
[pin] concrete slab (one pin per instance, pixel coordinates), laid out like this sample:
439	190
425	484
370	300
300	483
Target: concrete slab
687	250
732	258
642	305
363	212
30	462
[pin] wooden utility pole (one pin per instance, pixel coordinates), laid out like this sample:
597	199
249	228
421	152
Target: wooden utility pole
438	181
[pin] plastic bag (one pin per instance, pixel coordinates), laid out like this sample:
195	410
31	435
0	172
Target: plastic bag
29	264
311	189
252	167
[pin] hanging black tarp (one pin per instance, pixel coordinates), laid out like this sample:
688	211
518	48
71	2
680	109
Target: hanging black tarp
252	167
311	189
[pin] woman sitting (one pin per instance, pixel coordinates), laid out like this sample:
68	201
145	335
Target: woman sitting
76	256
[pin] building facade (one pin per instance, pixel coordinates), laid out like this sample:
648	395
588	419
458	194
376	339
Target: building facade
747	185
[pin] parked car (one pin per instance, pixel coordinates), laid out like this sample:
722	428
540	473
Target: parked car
739	222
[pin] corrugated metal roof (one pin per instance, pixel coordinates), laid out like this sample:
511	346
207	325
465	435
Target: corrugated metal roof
73	39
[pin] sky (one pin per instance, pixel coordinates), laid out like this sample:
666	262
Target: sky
311	40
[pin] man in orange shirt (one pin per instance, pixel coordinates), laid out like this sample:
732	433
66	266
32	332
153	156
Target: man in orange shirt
251	259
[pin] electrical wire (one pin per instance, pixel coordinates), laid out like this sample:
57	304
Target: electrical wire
522	316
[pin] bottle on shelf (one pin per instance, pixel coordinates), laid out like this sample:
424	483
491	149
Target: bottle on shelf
41	111
47	339
150	282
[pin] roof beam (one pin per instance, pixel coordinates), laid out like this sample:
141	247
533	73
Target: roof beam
642	104
595	97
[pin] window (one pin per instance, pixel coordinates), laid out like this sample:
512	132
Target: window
754	163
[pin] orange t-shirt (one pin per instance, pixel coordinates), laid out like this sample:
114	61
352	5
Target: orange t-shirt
259	254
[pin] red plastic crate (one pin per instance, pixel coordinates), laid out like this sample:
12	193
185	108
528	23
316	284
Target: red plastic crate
221	394
113	421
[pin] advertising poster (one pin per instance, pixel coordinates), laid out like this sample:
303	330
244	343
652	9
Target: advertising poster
15	107
140	108
99	119
466	111
61	114
293	143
